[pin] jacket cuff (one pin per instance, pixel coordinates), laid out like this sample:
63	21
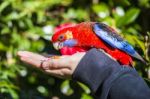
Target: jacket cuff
95	68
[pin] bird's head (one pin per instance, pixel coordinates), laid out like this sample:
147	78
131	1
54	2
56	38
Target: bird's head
63	38
68	39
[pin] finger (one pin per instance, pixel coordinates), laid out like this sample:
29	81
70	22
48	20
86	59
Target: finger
30	54
36	59
31	61
56	63
61	73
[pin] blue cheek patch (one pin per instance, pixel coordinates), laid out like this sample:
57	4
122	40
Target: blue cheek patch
70	43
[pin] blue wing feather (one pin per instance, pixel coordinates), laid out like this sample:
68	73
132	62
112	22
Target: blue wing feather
110	36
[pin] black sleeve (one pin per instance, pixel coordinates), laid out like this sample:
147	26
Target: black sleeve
107	79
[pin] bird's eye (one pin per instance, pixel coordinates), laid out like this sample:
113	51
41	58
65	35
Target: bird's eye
61	37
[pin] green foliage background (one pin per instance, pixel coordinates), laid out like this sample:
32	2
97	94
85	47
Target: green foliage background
28	24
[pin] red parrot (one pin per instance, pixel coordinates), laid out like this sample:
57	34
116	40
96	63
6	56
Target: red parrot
86	35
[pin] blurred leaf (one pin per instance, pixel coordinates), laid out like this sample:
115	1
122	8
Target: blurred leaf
129	17
140	44
85	88
5	30
41	16
86	96
3	47
133	40
132	31
7	84
42	90
101	10
13	94
118	12
79	14
109	21
123	2
3	5
144	3
65	88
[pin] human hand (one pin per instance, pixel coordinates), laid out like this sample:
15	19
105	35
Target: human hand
62	67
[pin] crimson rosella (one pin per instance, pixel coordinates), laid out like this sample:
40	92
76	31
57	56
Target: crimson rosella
86	35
